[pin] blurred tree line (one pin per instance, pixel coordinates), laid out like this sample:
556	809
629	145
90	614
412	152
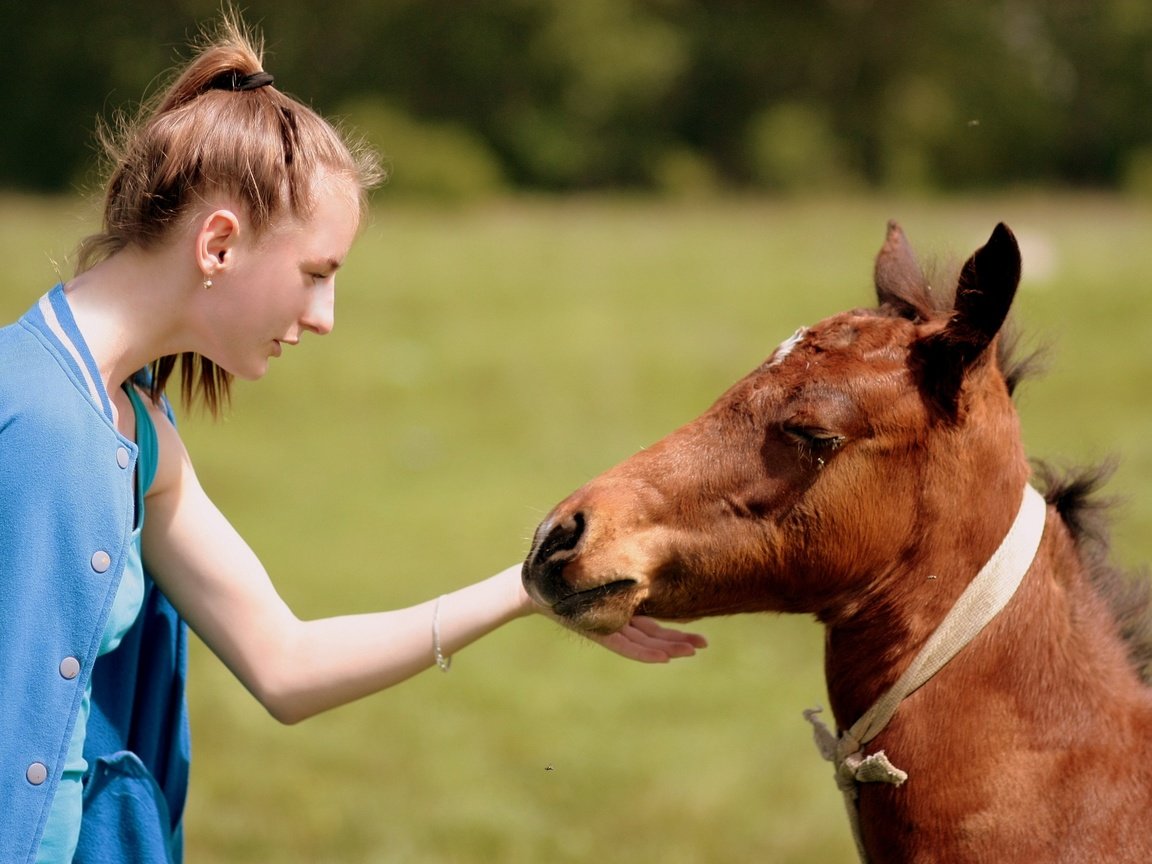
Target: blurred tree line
470	96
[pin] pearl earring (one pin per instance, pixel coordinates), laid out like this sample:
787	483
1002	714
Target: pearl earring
207	283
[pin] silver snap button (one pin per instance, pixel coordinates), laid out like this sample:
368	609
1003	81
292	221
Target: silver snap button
122	457
69	668
37	773
101	561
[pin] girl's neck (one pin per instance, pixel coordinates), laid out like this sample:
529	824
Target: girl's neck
130	309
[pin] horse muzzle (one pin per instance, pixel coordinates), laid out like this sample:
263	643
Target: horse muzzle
561	574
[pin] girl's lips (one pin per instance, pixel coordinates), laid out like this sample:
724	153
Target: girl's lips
280	343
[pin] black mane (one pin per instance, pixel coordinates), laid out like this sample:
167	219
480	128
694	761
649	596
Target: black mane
1075	494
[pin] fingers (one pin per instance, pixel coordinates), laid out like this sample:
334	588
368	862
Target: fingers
653	630
644	640
623	643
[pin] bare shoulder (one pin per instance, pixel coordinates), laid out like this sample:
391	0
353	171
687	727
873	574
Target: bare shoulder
173	465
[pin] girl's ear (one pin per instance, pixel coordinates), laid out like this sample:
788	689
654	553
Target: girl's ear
216	241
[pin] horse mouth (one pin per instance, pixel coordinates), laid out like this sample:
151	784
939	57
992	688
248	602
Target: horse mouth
603	609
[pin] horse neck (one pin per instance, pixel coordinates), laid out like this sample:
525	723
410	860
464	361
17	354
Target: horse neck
1039	714
1056	639
872	636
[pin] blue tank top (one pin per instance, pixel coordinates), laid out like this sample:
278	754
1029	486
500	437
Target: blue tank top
63	829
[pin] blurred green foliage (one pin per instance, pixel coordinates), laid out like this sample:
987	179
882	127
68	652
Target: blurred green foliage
668	95
486	360
433	160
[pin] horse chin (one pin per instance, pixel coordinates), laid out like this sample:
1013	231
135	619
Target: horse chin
603	609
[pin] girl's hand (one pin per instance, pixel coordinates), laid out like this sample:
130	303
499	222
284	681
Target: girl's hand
641	639
644	640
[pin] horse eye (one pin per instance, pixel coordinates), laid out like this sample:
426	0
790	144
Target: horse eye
814	437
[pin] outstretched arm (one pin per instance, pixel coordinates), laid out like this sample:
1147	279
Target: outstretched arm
299	668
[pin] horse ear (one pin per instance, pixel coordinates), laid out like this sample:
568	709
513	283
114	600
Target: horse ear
984	295
899	279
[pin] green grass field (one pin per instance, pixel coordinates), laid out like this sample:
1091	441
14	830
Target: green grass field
485	362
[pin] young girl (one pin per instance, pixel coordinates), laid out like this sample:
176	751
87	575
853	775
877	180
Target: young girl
229	210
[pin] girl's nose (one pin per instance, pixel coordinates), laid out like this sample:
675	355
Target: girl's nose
320	315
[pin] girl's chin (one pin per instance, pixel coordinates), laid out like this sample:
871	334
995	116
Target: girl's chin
251	368
249	372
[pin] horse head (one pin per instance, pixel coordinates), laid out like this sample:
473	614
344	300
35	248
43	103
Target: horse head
865	446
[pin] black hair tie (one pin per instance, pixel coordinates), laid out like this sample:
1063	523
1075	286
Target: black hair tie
237	82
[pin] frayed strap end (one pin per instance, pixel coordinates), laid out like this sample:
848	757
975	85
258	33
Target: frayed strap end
875	769
826	742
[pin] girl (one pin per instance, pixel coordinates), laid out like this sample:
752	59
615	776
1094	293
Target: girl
229	210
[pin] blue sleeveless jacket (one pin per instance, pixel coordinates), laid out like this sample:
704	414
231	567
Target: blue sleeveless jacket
66	516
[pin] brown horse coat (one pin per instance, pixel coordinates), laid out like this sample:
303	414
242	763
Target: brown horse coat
864	474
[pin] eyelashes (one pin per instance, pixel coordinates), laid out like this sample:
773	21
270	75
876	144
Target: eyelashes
814	437
814	443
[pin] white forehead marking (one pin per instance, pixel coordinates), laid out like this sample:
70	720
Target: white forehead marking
787	345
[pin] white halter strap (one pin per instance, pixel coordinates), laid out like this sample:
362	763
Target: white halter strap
984	597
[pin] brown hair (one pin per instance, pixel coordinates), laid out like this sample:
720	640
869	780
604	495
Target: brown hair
205	133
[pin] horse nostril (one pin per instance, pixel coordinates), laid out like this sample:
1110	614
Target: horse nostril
555	545
562	537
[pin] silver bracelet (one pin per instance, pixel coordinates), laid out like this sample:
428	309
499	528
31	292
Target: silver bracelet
445	663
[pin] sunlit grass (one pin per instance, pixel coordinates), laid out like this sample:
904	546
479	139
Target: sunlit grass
485	362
